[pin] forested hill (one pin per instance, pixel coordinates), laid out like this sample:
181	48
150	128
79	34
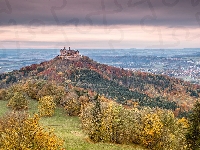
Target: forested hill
125	86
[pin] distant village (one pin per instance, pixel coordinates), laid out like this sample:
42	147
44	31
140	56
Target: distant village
69	54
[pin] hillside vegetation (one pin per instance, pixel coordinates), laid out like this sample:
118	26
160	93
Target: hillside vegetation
68	129
102	119
108	105
124	86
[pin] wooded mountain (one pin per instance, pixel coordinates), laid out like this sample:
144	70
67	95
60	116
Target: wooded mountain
125	86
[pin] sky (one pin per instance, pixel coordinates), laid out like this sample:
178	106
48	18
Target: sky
96	24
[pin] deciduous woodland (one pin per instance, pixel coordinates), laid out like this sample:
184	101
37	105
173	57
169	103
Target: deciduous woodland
114	106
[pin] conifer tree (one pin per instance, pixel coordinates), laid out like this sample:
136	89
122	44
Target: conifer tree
193	135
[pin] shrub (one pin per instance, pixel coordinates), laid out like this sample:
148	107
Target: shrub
18	101
32	87
2	94
36	89
13	89
51	89
74	101
21	132
71	103
46	106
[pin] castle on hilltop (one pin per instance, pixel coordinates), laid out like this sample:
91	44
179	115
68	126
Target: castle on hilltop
69	54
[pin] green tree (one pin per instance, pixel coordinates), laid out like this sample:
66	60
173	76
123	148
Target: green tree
193	136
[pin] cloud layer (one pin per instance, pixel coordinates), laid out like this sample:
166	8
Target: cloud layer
99	23
100	12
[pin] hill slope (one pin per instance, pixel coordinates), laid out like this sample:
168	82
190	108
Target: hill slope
69	129
125	86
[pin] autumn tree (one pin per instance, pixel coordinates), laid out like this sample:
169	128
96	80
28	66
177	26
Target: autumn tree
32	87
18	101
152	128
20	132
46	106
75	100
52	89
13	89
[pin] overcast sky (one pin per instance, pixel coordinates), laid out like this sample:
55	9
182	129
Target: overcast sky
99	24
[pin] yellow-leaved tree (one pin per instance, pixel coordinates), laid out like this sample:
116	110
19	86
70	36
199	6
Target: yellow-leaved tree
20	132
152	129
46	106
18	101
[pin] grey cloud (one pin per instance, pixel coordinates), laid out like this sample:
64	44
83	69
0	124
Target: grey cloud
100	12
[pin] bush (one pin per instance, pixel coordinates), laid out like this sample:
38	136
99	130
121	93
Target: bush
13	89
18	101
46	106
71	103
20	132
74	106
32	87
2	94
74	101
35	89
51	89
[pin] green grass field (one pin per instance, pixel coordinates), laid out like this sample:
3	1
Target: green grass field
69	129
